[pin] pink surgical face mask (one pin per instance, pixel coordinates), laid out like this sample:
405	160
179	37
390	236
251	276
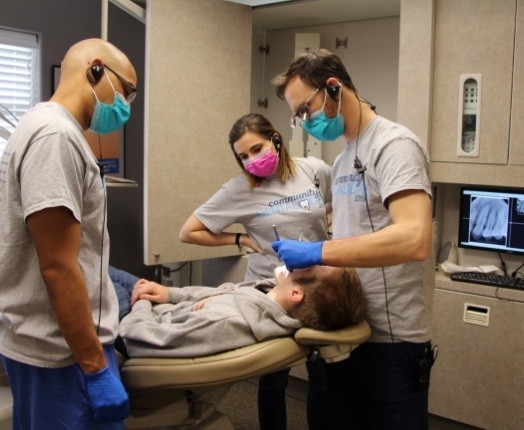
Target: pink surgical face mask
262	165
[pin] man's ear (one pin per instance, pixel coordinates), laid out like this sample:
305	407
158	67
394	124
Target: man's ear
296	295
333	87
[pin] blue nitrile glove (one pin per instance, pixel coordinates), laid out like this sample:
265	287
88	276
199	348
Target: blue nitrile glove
107	396
297	254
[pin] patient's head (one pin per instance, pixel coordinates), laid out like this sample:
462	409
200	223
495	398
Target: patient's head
321	297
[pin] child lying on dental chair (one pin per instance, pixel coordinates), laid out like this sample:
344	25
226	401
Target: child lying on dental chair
196	321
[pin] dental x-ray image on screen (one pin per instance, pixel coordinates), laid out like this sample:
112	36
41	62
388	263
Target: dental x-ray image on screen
492	219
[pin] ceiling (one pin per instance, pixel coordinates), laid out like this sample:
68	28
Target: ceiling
302	13
317	12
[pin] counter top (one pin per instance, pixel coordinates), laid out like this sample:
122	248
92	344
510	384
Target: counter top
443	282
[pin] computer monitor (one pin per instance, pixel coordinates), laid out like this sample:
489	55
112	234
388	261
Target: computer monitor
492	219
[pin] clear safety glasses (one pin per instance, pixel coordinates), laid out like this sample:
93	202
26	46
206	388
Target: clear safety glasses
303	113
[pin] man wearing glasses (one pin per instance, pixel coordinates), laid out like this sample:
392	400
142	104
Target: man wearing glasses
58	308
382	226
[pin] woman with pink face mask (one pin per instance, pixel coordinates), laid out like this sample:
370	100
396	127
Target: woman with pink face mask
274	189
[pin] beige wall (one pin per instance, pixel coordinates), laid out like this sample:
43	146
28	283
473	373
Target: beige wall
197	85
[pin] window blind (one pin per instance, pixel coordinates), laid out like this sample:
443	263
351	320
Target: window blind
19	78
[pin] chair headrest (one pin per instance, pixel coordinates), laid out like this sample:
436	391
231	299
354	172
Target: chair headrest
352	335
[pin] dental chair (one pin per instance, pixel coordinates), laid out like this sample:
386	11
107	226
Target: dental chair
6	400
183	393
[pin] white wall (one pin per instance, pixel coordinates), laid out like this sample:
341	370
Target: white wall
371	58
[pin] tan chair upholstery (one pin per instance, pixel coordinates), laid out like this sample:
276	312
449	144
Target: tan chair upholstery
6	400
185	392
6	408
335	345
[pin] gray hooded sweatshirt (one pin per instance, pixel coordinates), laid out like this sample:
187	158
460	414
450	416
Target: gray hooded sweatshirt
235	315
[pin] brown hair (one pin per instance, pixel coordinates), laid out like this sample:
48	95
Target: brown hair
330	302
314	68
260	125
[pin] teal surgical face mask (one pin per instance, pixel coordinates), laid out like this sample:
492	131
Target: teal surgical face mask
110	117
322	127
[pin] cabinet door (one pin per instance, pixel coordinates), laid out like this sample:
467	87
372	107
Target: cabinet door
473	37
516	143
185	162
478	376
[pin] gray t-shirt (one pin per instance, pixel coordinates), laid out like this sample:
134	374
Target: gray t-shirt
48	163
296	207
395	160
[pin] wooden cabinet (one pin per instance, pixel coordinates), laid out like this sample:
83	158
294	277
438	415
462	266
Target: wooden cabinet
193	53
478	376
473	37
486	38
516	146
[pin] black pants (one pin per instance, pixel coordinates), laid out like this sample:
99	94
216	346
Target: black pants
374	389
272	398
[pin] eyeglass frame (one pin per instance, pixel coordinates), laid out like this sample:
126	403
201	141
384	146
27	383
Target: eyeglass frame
128	86
307	113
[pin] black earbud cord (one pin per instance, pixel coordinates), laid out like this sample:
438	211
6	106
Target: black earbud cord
357	164
316	183
101	167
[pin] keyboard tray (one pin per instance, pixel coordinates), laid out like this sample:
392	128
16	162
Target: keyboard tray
491	279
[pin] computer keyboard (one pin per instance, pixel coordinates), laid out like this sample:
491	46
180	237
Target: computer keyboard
489	279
